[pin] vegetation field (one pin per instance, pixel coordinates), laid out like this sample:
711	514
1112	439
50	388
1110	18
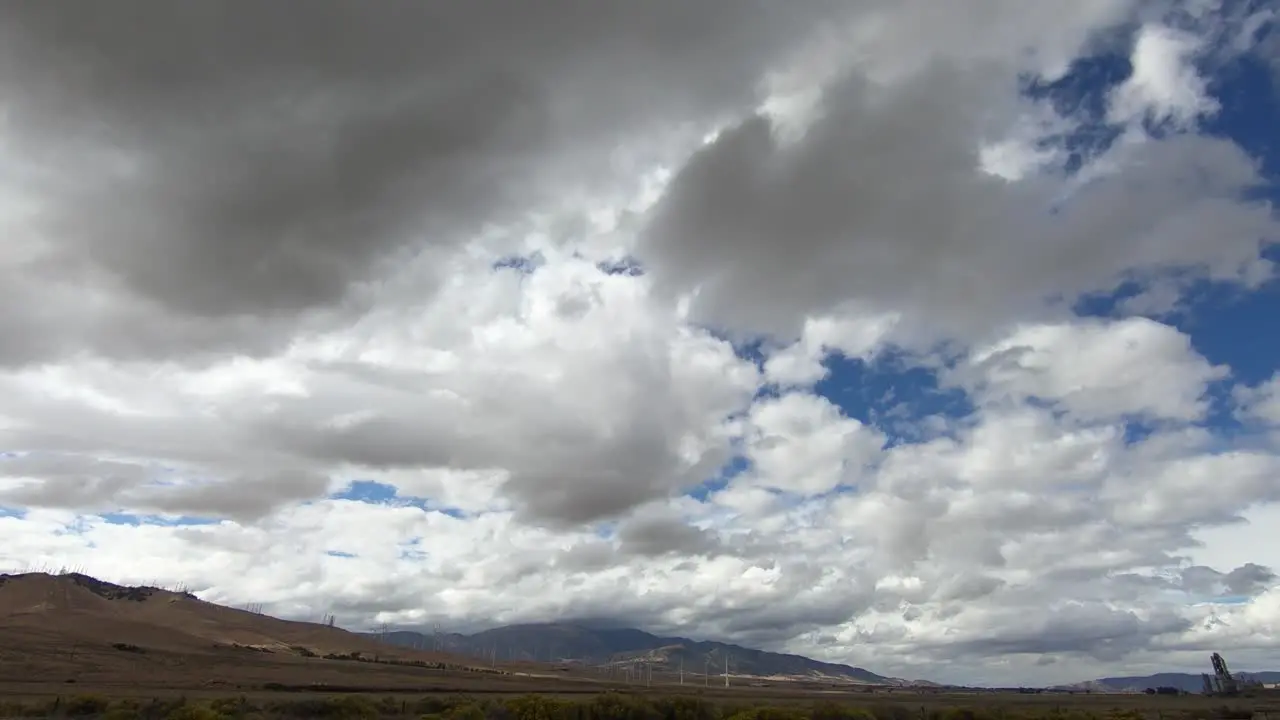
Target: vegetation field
707	705
72	646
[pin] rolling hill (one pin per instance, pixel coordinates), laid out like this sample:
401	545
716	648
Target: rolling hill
88	609
72	628
581	644
1188	682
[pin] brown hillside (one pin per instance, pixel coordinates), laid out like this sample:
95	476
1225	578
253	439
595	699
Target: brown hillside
81	607
75	628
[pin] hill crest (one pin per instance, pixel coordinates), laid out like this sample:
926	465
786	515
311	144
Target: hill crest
583	644
1187	682
89	610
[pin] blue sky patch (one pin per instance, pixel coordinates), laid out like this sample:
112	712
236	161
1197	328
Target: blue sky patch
623	266
523	264
135	520
366	491
735	467
1227	324
413	550
376	493
891	395
1081	95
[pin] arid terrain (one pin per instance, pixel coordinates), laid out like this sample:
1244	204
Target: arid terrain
60	630
72	636
73	630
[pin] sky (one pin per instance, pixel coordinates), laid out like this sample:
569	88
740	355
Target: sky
937	339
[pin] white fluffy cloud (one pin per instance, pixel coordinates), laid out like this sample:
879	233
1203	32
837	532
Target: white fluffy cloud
573	305
1097	370
1262	403
1164	85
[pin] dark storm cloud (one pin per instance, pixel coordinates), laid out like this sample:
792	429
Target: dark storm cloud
244	498
566	469
93	485
67	481
1088	628
238	165
1248	579
654	536
882	201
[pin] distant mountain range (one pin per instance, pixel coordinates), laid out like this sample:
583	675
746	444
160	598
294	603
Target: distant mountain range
1189	682
581	644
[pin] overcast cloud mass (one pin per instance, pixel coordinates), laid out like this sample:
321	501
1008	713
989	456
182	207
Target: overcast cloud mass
876	331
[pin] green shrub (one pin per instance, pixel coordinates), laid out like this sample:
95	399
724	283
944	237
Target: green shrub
346	707
18	709
391	706
122	712
615	706
965	713
538	707
768	713
465	711
430	705
827	710
193	712
686	708
891	711
86	706
237	707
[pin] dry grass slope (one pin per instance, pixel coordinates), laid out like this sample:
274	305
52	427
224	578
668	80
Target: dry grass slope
73	646
76	629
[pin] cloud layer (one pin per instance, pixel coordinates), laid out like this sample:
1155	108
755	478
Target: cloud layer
509	312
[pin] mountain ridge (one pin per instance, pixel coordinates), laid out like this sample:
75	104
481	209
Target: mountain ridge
579	643
1187	682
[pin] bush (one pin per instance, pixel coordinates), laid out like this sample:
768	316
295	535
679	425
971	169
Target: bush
614	706
886	711
833	711
768	713
350	707
123	712
86	706
347	707
15	709
430	705
465	711
391	706
538	707
964	713
193	712
237	707
686	708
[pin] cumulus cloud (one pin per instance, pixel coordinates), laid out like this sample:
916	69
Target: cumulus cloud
1248	579
1261	403
418	314
884	200
214	176
582	414
1097	370
1164	85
